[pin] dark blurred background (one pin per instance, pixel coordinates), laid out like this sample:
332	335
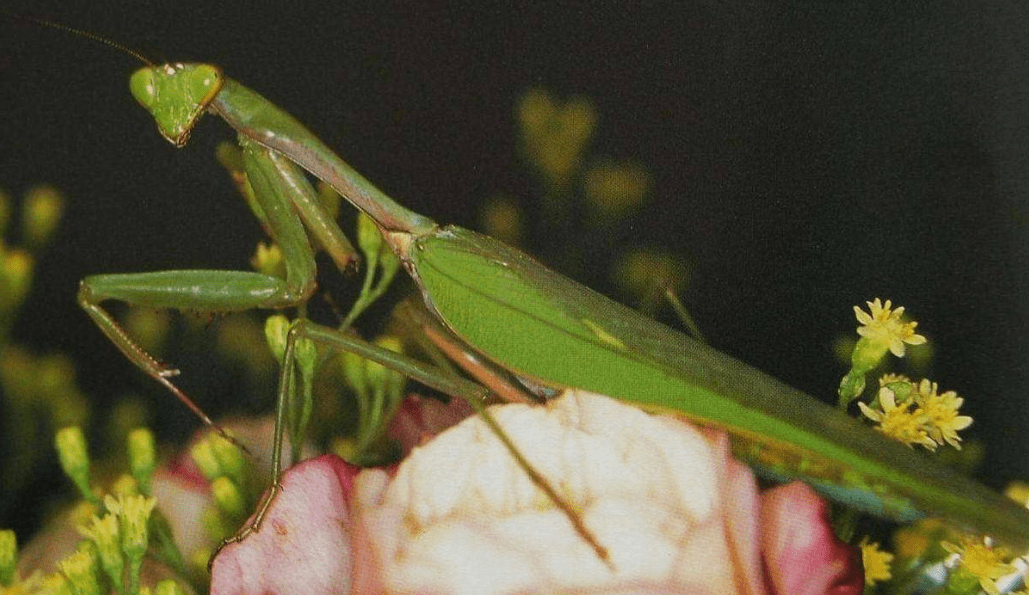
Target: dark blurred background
806	157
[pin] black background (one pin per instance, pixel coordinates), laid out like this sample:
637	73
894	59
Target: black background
806	157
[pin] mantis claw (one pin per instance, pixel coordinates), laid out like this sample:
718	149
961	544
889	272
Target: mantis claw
252	526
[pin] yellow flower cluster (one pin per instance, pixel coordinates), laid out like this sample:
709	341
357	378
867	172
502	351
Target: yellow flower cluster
875	561
916	414
884	326
982	561
555	133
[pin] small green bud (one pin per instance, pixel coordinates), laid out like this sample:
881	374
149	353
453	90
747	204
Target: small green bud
55	584
16	268
71	449
355	373
203	456
369	239
142	457
645	272
378	374
82	569
148	327
230	156
535	110
389	263
276	327
330	199
868	353
851	387
614	189
125	486
230	458
8	557
5	211
306	358
902	390
169	587
268	260
56	373
41	213
218	527
501	219
228	497
106	534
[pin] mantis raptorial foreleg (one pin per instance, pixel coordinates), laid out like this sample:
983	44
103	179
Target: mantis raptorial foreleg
281	192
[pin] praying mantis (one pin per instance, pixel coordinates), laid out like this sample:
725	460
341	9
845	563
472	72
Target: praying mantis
552	332
501	307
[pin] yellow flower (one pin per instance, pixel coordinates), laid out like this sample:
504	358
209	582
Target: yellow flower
941	413
875	561
897	421
981	561
555	133
884	326
613	189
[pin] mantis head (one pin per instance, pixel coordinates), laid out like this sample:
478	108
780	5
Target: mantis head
176	95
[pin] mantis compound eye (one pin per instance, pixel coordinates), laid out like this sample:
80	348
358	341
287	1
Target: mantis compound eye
176	95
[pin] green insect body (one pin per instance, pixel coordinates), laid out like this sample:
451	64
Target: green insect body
570	336
553	332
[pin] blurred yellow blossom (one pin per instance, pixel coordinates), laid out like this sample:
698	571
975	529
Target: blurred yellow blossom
41	213
554	134
985	563
875	561
614	188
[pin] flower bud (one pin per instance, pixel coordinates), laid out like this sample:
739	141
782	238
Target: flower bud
125	486
71	450
82	569
368	238
41	213
275	329
229	456
228	497
142	458
169	587
133	514
106	534
203	455
268	260
8	556
15	277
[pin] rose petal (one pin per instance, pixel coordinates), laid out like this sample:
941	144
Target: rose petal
304	542
420	418
801	553
462	517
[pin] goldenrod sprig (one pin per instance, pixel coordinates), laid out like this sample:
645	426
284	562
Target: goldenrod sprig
882	330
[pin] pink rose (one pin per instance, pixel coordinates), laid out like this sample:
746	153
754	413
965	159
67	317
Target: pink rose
673	510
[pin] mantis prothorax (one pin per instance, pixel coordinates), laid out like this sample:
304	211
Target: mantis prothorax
503	307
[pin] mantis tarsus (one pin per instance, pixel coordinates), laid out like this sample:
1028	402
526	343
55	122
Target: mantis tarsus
538	325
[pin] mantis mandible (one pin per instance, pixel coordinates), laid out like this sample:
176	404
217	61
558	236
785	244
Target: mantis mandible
501	306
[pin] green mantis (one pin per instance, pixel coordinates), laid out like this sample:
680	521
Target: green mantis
509	312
